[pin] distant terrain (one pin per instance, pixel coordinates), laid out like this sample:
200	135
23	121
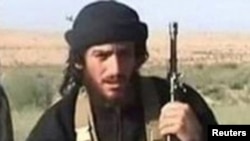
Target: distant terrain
47	48
216	64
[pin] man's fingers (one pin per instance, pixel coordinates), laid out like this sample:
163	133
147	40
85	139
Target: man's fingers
173	111
169	122
170	128
172	118
174	106
179	119
168	115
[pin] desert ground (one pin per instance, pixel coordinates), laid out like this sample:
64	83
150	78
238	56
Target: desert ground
221	71
47	48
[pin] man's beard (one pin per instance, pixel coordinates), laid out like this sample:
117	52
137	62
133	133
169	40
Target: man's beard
98	97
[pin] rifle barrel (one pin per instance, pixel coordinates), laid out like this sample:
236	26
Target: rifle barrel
173	49
173	31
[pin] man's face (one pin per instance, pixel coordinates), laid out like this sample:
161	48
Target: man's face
108	68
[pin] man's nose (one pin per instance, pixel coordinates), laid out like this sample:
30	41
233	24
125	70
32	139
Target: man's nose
115	64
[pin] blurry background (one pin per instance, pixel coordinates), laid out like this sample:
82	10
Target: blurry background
213	52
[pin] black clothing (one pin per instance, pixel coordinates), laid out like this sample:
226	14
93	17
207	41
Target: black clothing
57	124
6	129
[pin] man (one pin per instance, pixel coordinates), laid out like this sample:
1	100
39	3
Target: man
6	131
106	99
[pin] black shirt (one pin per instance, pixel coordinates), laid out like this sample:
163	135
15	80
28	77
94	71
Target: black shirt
6	129
124	124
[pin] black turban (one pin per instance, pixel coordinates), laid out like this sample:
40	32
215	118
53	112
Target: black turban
103	22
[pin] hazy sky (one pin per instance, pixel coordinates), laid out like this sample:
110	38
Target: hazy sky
206	15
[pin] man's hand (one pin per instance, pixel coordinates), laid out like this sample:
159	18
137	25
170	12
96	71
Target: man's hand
179	119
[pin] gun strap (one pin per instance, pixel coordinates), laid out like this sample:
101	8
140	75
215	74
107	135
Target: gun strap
84	123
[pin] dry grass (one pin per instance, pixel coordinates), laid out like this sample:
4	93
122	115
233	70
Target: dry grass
24	121
31	48
41	48
202	49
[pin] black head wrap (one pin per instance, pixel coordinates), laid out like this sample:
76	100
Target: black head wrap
103	22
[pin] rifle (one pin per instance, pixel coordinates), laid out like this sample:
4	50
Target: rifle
173	74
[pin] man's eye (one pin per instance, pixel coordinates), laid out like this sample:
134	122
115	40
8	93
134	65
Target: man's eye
101	55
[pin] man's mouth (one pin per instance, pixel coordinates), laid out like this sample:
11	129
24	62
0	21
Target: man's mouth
115	82
116	85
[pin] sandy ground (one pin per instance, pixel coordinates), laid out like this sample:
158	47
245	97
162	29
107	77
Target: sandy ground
46	48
